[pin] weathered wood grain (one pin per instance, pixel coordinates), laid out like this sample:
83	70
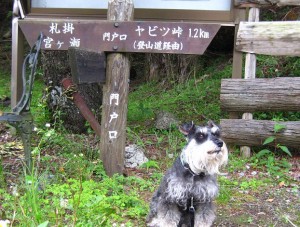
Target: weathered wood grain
270	38
241	3
237	61
87	66
250	73
114	111
254	132
275	94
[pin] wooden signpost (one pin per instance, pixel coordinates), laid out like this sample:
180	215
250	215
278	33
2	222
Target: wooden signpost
114	38
117	36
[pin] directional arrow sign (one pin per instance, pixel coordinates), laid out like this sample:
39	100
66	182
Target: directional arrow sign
147	37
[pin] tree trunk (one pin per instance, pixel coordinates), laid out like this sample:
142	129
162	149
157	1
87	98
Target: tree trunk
153	64
56	67
170	68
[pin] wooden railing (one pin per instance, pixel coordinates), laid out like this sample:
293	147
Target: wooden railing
277	94
245	96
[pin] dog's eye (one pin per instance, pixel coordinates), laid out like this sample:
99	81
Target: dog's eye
201	136
217	134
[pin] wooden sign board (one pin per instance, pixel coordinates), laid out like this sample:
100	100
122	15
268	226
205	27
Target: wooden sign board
87	66
145	37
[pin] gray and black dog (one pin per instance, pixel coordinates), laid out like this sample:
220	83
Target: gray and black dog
185	195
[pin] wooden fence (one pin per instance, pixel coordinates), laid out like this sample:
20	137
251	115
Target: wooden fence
278	94
281	38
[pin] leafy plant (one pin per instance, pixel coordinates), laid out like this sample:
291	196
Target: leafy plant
266	158
225	193
269	140
252	184
150	164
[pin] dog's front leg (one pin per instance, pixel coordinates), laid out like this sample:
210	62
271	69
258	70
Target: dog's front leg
205	215
167	215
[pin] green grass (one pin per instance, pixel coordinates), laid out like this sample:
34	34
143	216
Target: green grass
189	101
38	105
71	188
78	202
4	88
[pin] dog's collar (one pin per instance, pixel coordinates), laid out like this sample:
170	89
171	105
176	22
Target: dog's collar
187	166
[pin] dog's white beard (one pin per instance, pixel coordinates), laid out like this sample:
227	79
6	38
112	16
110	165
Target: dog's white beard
200	160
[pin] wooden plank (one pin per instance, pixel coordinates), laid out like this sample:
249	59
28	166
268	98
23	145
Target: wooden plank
270	38
115	97
237	62
17	62
250	62
246	3
121	36
87	66
254	132
275	94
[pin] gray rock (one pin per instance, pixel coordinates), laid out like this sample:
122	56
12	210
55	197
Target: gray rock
164	120
134	156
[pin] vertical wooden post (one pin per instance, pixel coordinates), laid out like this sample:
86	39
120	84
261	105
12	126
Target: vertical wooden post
250	73
17	58
115	97
237	61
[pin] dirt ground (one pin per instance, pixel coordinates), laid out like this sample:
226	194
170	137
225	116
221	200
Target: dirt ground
266	206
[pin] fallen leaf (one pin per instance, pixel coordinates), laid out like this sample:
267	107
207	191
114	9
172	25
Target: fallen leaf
281	184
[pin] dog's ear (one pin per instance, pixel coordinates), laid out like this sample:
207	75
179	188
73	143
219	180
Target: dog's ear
211	124
214	128
186	128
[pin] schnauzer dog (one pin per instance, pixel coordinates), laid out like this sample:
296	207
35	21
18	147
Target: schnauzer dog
184	197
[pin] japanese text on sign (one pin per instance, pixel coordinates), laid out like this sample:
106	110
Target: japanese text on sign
130	36
113	101
158	32
66	28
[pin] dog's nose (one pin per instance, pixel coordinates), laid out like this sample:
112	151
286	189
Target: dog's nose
220	143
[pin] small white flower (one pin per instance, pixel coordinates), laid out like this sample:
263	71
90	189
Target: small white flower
63	203
170	155
47	125
4	223
81	155
35	129
14	192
